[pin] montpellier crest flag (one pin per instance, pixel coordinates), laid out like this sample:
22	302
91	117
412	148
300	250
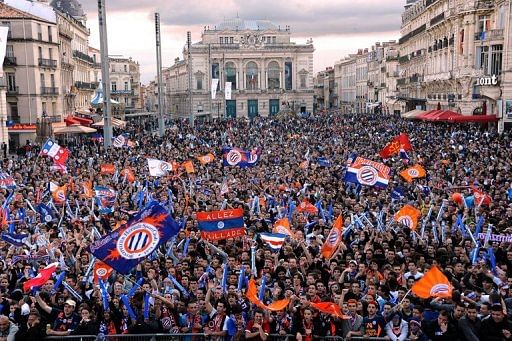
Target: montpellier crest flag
433	284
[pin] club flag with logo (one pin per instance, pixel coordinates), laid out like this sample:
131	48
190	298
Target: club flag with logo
122	141
205	159
333	239
42	277
252	296
282	226
408	216
57	153
306	207
394	147
158	167
136	240
273	240
105	198
7	181
216	225
189	167
107	168
481	199
433	284
128	174
59	194
368	173
413	172
239	157
101	271
45	212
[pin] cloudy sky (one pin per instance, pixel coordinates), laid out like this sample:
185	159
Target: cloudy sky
338	27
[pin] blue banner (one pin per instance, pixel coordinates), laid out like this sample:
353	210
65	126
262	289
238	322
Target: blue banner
127	246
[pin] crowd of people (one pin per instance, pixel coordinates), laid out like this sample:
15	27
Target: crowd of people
369	276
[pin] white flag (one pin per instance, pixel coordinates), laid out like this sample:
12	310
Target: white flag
158	167
227	91
3	46
215	83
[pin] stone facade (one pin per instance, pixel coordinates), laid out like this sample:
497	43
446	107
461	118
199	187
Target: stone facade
446	47
268	72
125	82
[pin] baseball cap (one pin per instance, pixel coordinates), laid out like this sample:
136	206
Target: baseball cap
71	303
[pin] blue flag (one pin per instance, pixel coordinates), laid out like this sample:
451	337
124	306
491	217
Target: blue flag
45	212
323	162
16	239
133	242
397	193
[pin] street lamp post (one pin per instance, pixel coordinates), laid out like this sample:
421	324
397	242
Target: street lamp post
107	127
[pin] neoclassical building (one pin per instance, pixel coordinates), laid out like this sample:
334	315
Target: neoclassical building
267	71
455	54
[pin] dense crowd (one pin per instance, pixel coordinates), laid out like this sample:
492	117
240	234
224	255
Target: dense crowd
369	276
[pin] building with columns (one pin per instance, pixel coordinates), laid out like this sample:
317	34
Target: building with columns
455	54
267	71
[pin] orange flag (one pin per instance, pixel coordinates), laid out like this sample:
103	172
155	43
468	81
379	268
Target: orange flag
333	239
304	164
433	284
252	295
408	216
59	194
101	270
87	188
329	308
130	176
204	159
283	226
107	168
189	166
413	172
307	207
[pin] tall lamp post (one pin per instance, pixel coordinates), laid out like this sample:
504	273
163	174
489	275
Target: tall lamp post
105	74
161	123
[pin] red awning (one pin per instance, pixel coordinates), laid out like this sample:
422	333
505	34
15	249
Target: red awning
473	118
446	116
428	115
70	120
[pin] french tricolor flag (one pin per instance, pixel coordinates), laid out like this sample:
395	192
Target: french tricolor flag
274	240
57	153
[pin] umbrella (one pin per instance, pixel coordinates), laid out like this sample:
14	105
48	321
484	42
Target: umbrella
115	122
74	129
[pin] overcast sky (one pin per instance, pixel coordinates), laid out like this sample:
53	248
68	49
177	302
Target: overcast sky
338	27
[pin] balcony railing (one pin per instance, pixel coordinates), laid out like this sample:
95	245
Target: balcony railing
12	90
49	90
48	63
83	56
122	92
10	61
86	85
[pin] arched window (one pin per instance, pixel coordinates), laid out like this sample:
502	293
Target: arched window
231	74
273	76
251	75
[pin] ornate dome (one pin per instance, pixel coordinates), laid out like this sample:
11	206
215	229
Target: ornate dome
71	7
